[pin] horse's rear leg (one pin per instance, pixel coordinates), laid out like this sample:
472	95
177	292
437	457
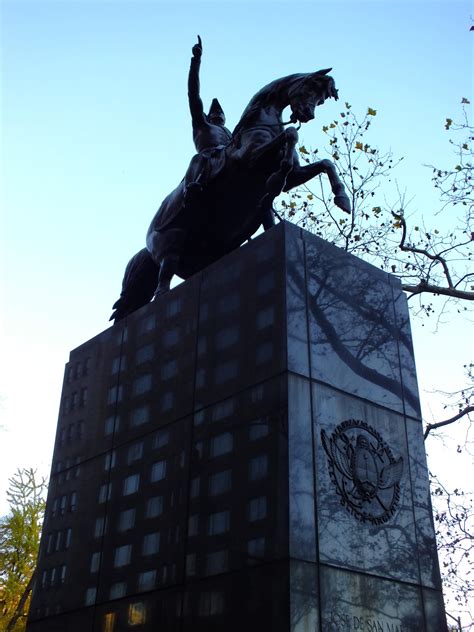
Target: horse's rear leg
168	268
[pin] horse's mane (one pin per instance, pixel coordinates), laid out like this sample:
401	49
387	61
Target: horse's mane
267	95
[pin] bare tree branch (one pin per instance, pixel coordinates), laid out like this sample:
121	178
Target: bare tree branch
446	422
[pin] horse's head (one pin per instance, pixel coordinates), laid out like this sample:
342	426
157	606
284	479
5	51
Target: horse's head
308	92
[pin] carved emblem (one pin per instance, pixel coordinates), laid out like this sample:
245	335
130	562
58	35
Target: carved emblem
364	471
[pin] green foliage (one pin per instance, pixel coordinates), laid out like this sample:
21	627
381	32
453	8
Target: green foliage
20	532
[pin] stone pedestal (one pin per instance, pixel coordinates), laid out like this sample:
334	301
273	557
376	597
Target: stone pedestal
245	453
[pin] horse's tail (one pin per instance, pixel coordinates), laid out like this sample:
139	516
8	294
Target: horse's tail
138	285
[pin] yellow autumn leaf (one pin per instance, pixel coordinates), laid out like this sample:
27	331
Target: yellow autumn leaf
303	150
359	146
371	112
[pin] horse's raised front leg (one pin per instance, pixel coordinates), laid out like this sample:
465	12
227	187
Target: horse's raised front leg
299	175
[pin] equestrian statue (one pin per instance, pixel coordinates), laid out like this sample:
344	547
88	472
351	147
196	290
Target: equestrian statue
231	183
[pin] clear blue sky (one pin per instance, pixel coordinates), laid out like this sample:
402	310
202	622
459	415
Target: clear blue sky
96	131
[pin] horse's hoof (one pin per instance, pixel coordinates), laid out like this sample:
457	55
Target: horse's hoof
343	202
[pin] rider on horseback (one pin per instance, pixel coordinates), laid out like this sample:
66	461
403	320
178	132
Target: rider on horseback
209	132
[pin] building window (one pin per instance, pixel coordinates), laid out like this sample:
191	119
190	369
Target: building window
222	444
62	573
109	622
136	613
142	384
172	308
147	324
67	538
195	487
225	371
257	508
73	501
202	345
126	520
223	409
226	337
100	527
258	467
218	523
105	492
265	283
190	564
147	580
158	471
115	394
118	590
256	549
228	303
220	483
109	461
86	366
135	452
169	370
151	543
167	401
258	429
131	484
161	439
264	353
118	365
111	425
80	430
140	416
154	507
170	337
211	603
256	394
144	354
217	562
265	317
62	505
95	562
122	555
91	594
193	525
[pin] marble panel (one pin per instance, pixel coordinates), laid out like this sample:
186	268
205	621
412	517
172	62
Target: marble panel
364	500
425	535
352	602
297	325
353	333
304	611
434	610
302	534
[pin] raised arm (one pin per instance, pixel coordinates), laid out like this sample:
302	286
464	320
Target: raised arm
195	103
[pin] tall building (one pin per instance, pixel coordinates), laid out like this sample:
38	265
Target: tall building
245	452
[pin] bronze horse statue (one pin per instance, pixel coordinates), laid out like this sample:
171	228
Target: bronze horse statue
244	178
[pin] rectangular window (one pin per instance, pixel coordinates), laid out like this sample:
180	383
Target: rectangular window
265	283
226	337
140	416
154	507
131	484
118	590
264	352
151	543
220	483
228	303
142	384
115	394
146	580
195	487
158	471
91	594
218	523
144	354
169	370
167	401
99	527
83	397
193	525
147	324
257	508
109	622
116	365
225	371
161	439
136	613
265	317
258	467
86	366
190	564
80	430
172	308
126	520
62	573
95	562
258	429
109	461
135	452
67	538
256	549
73	501
217	562
111	425
222	444
211	603
170	337
105	492
223	409
122	555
